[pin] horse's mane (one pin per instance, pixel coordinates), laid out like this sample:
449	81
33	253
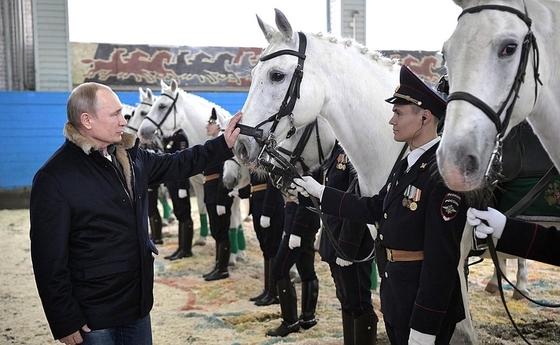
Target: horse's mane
222	113
350	42
127	109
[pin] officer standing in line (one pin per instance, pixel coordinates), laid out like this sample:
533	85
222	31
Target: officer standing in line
267	207
297	247
218	206
352	280
180	197
421	223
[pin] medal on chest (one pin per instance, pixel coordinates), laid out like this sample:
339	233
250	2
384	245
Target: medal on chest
411	196
341	161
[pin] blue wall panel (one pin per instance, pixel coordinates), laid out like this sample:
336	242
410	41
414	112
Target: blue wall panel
31	126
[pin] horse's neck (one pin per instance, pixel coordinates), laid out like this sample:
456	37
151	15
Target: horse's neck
357	111
193	119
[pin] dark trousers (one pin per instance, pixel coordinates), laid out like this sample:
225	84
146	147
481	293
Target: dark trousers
398	336
353	285
303	257
219	225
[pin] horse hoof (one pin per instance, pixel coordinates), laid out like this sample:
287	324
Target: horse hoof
491	288
518	296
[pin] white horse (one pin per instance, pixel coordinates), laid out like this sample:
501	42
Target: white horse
483	56
346	84
176	108
147	99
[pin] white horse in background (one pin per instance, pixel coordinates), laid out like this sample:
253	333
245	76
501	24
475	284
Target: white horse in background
174	109
147	99
128	112
346	84
483	56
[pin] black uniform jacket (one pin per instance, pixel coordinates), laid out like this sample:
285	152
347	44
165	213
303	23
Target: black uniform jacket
353	237
91	252
531	241
416	213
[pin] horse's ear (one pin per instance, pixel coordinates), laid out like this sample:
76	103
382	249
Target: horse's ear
461	3
174	85
149	94
163	84
142	94
268	30
283	25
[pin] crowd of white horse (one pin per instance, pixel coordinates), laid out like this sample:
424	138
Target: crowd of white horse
345	86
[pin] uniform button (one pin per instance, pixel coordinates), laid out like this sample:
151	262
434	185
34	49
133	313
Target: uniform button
381	237
386	275
385	215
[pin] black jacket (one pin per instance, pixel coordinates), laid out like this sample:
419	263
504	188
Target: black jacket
91	252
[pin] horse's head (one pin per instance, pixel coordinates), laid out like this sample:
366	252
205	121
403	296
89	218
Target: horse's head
280	97
235	175
492	67
306	150
147	98
161	119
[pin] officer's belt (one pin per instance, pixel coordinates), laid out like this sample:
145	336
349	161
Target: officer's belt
211	177
394	255
258	187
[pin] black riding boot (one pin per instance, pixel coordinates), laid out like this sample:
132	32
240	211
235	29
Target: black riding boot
215	264
224	249
365	329
271	295
288	308
155	227
309	296
263	293
348	328
185	241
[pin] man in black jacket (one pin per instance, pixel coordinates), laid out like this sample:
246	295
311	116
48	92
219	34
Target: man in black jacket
91	251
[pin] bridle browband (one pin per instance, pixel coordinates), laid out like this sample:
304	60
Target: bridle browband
529	42
173	108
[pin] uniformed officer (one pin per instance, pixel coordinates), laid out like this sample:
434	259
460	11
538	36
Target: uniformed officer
218	206
267	207
352	280
297	247
420	223
180	197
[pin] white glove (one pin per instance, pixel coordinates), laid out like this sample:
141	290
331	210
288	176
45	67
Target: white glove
417	338
182	193
220	210
307	186
343	263
234	193
265	221
496	222
294	241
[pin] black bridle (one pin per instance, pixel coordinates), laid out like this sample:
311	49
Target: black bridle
173	107
529	42
289	102
134	113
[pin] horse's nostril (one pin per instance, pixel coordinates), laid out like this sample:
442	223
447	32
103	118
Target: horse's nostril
472	164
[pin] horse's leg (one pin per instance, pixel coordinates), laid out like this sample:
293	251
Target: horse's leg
492	285
197	182
464	331
522	279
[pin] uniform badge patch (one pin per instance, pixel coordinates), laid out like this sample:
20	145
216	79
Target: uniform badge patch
450	206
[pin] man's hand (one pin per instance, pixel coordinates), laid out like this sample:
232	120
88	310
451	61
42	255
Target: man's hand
307	186
231	133
418	338
343	263
495	219
234	193
265	221
76	337
220	210
294	241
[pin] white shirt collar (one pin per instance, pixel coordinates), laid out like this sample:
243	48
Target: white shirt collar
419	151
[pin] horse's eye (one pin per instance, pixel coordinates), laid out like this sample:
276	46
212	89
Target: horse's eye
143	113
508	50
127	117
162	106
277	76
